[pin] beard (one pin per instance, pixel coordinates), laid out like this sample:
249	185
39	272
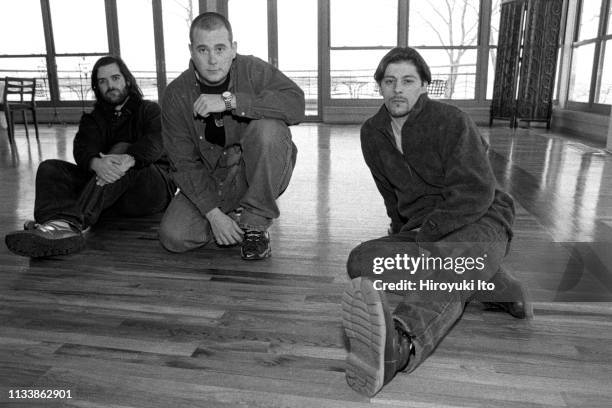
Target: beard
115	96
399	108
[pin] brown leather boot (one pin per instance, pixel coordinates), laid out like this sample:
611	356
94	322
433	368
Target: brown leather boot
377	348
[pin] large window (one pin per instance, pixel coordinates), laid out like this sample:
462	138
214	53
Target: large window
76	54
358	42
249	19
446	34
26	57
138	46
298	47
177	18
591	69
604	88
346	38
284	33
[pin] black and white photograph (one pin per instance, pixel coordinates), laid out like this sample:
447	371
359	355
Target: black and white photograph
306	203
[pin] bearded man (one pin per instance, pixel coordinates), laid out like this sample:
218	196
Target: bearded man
120	166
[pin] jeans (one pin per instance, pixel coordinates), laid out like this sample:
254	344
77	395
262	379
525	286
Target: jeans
429	315
267	161
64	191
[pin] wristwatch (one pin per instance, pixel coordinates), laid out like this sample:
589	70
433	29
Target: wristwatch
227	98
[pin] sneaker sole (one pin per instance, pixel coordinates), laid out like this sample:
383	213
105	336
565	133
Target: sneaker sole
35	246
363	319
266	254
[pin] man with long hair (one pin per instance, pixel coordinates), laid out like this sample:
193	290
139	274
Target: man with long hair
120	165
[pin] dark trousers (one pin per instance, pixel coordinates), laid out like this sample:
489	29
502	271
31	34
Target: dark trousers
269	157
429	315
66	192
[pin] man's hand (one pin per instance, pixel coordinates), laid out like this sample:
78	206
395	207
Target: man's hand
127	161
224	228
207	104
107	168
111	167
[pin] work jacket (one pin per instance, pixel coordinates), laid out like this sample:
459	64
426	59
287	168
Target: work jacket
443	179
138	125
205	172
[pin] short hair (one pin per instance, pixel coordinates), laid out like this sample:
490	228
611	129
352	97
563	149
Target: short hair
210	21
130	82
399	54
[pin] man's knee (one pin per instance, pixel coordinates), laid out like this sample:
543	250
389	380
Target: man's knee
266	132
172	238
51	167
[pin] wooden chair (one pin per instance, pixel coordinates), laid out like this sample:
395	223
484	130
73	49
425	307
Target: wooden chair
19	95
437	88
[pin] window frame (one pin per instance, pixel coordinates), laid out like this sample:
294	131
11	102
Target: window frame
598	59
325	101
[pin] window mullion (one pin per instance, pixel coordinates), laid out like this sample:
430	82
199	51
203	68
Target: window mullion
50	57
112	27
482	60
403	10
272	33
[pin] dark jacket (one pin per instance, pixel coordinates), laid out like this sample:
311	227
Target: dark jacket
139	125
443	180
205	172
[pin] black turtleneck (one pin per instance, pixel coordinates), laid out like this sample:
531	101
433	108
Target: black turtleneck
215	131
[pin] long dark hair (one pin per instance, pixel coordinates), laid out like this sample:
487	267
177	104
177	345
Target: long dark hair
130	82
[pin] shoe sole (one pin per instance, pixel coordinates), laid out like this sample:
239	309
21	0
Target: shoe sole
363	319
35	246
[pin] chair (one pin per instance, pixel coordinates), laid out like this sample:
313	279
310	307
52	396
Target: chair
437	88
19	95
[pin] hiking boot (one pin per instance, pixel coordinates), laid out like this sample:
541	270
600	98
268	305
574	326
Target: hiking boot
52	238
378	348
255	245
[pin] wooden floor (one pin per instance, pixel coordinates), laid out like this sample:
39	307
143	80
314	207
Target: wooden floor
126	324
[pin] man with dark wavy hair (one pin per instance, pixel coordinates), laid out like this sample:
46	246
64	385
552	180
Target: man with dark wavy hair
120	166
430	164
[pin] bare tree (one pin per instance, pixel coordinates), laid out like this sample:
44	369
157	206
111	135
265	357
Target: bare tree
186	5
462	31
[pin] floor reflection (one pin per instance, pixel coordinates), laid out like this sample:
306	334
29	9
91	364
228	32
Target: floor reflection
564	206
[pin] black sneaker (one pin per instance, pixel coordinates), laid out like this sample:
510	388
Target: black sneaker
255	245
378	348
48	239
